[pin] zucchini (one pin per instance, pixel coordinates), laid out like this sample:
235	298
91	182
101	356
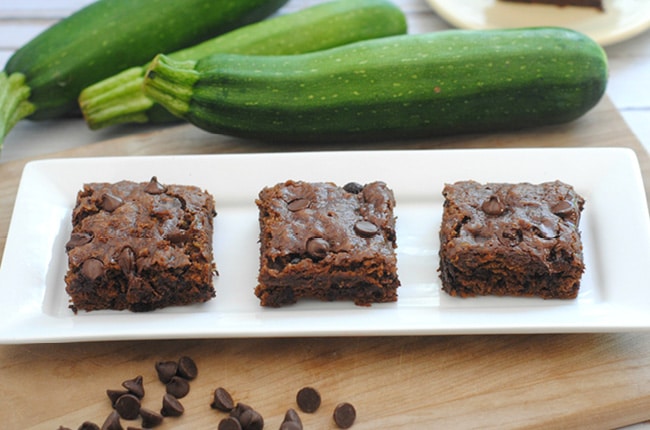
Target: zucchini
43	79
119	99
454	81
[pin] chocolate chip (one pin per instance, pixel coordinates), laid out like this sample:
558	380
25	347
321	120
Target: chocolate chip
128	406
92	269
187	368
366	229
290	425
166	370
308	399
64	428
298	204
112	422
87	425
562	208
317	247
292	415
177	237
344	415
78	239
239	409
126	260
113	395
222	400
493	206
250	419
150	419
178	387
135	386
353	187
291	420
171	407
229	423
111	202
154	187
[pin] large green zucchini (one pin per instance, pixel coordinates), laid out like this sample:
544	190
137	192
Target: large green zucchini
119	99
454	81
43	79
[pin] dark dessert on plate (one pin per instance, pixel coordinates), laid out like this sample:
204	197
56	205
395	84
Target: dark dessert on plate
511	240
598	4
140	246
323	241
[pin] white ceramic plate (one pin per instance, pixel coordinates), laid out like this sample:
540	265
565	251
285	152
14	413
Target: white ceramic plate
616	234
621	20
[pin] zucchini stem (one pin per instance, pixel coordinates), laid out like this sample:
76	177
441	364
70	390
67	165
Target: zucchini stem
14	95
170	83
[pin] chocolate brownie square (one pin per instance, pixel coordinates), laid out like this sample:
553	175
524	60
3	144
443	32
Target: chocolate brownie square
323	241
140	246
511	239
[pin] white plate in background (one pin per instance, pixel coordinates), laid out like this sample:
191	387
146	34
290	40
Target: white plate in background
621	20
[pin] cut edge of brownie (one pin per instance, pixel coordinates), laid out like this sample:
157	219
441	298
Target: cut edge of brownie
511	240
140	247
325	242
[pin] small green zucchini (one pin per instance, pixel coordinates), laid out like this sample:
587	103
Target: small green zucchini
43	79
454	81
119	99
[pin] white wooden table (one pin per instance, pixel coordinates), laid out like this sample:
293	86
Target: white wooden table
20	21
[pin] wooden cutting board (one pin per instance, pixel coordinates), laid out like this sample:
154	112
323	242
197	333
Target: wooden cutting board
540	381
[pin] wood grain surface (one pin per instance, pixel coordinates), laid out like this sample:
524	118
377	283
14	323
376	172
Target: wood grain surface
447	382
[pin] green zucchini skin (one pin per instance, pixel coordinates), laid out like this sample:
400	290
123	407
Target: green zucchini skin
119	99
108	36
449	82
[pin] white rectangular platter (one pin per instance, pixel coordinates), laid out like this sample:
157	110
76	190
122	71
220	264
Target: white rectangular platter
614	295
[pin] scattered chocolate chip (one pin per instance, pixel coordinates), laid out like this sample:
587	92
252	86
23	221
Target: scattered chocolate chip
317	247
493	206
366	229
292	415
87	425
291	420
64	428
112	422
229	423
344	415
166	370
178	387
187	368
133	428
298	204
78	239
126	260
111	202
128	406
290	425
171	407
92	269
562	208
239	409
135	386
308	399
150	419
250	419
154	187
222	400
353	187
113	395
